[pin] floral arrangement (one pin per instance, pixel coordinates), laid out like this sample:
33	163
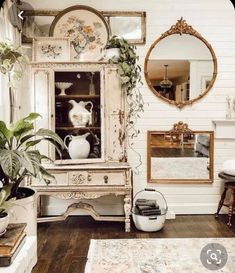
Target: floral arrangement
51	51
83	37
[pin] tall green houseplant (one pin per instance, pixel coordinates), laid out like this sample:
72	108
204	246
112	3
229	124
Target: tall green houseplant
19	156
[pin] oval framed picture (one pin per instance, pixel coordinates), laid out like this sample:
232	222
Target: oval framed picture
87	30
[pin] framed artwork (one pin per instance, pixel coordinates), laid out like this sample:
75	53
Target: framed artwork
129	24
87	30
50	49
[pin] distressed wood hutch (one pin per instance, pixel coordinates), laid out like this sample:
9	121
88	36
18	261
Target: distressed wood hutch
105	171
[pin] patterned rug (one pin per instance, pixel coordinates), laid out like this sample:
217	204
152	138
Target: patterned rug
154	255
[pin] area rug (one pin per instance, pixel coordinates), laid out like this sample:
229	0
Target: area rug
154	255
179	168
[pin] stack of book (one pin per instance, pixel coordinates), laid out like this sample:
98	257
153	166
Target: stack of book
147	207
11	243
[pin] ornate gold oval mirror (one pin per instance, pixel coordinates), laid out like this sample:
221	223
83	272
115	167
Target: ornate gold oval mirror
180	155
180	66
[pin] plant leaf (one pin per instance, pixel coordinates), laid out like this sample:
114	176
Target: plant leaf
50	135
33	143
21	128
32	117
10	162
4	131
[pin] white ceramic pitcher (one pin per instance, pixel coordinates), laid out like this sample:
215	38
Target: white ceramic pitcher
79	147
79	115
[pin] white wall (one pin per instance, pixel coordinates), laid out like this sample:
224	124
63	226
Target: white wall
215	20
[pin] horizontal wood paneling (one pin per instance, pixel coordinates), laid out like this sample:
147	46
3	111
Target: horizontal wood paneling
215	20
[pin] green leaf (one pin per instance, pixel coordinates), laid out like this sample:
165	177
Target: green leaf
27	163
10	161
4	194
32	143
22	128
45	175
52	135
32	117
25	138
4	131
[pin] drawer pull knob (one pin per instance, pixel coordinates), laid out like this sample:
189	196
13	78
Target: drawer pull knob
89	178
106	178
48	182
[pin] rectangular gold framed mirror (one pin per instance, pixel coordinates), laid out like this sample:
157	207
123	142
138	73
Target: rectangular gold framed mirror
180	156
131	25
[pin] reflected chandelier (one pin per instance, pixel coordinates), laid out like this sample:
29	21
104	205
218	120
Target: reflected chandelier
165	83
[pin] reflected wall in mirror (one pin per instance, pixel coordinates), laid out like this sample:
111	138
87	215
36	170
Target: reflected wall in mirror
180	155
180	66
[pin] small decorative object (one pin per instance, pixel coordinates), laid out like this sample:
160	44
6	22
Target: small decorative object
149	211
91	84
87	29
63	86
79	115
79	147
228	110
51	49
112	54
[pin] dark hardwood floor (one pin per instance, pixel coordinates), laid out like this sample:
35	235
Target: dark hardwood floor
63	246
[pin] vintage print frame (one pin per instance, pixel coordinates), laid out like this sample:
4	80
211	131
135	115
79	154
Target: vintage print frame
51	49
87	30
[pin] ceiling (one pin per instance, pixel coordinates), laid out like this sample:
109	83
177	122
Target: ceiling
176	69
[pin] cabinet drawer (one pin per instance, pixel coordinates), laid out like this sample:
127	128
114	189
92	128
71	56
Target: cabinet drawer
96	178
60	179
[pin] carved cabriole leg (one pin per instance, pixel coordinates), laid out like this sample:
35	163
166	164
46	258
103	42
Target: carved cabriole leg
231	208
127	210
221	202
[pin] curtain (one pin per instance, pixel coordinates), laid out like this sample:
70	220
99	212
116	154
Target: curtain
12	35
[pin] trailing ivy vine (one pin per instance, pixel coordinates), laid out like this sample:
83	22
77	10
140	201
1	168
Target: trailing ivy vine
130	73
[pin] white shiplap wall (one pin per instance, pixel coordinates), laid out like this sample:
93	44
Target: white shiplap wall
215	20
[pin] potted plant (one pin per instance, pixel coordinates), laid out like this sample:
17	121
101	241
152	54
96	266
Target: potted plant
4	207
130	74
20	159
12	62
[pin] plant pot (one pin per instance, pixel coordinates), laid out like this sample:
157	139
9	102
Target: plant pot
112	54
25	210
4	221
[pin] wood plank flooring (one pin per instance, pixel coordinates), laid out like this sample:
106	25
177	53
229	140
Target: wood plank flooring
63	246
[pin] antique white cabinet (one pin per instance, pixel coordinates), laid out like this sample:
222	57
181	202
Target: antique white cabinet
105	171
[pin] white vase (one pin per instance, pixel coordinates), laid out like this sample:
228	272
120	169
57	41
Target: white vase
112	54
79	147
79	115
25	211
4	221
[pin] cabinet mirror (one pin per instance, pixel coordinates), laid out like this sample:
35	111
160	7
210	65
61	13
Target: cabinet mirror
180	155
180	66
